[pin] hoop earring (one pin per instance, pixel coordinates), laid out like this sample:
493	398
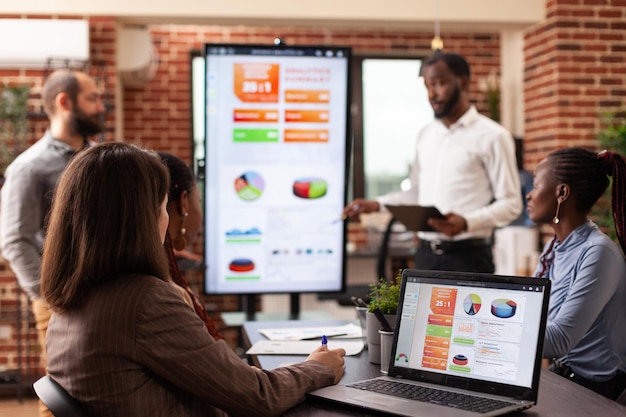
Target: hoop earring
556	219
180	241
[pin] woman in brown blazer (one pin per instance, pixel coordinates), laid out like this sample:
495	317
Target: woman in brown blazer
121	340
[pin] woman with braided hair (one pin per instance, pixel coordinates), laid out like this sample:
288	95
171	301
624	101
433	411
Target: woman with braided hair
185	214
586	330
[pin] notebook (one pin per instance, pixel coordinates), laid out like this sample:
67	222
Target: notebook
464	335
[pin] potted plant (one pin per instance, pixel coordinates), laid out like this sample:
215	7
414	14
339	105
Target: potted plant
385	296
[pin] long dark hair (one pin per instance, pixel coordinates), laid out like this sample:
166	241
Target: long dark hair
181	177
587	173
104	222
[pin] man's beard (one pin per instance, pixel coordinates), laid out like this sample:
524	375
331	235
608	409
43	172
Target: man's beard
447	110
84	125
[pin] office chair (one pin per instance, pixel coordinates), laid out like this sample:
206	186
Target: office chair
622	398
58	401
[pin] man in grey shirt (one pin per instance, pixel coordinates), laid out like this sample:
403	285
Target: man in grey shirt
74	107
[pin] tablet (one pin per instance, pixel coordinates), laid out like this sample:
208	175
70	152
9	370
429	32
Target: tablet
413	217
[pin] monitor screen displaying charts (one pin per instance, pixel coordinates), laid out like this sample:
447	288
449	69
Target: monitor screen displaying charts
276	168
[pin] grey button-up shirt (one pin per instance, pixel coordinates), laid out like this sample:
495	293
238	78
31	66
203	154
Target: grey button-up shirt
25	201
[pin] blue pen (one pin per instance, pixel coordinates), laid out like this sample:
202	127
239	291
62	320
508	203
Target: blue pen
325	343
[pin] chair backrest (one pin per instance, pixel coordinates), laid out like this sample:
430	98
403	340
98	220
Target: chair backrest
58	401
622	398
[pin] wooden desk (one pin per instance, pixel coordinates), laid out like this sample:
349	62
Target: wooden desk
558	397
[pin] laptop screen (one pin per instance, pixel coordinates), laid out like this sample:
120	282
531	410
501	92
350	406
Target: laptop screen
462	328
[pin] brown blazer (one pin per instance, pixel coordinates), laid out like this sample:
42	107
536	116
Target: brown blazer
134	348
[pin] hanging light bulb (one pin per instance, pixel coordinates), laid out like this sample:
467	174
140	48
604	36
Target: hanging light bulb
437	43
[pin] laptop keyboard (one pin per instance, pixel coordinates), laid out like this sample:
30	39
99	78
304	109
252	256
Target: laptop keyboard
431	395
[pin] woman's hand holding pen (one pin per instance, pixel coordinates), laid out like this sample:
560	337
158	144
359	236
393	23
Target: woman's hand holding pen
333	358
359	206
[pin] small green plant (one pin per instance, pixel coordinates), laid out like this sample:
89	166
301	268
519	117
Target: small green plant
385	295
13	123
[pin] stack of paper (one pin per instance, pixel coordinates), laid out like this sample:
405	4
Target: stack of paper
304	340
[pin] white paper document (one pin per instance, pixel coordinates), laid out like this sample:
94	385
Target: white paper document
347	331
303	347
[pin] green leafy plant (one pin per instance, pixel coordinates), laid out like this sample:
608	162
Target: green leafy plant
385	295
13	123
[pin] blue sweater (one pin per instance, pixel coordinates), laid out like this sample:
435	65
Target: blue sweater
587	315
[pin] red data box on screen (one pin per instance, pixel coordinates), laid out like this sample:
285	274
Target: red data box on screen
434	363
438	320
435	352
310	116
435	341
306	135
307	96
255	115
256	82
442	301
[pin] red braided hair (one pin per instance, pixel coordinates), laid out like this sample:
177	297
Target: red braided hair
179	280
615	166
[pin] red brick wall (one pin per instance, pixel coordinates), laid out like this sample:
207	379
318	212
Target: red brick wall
103	68
575	70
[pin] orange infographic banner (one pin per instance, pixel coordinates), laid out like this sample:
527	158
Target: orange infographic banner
435	352
437	341
434	363
255	115
306	135
443	300
310	116
256	82
307	96
438	320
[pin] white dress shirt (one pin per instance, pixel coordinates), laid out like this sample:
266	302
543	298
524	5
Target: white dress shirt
468	169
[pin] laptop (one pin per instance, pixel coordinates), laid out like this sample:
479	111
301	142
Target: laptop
465	344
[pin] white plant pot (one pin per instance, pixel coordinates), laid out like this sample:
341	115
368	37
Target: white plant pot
372	326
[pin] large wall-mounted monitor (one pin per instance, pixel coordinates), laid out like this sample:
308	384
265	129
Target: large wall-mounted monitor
277	152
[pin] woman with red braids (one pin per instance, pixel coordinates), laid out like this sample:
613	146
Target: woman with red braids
185	214
586	331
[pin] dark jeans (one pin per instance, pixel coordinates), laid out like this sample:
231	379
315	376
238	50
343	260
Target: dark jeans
610	389
466	260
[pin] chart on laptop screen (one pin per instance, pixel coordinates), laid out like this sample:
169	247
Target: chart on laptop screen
478	332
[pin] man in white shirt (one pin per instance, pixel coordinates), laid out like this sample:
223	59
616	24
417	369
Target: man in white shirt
465	166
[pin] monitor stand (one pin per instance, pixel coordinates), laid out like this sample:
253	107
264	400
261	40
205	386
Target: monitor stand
249	306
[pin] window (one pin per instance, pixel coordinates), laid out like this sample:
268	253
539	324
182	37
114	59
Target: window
390	106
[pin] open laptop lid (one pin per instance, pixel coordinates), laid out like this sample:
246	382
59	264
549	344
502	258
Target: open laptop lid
479	332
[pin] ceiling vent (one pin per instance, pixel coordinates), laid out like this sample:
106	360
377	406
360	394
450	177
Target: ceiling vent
137	57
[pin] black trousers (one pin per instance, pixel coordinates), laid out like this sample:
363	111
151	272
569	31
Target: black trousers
479	259
610	389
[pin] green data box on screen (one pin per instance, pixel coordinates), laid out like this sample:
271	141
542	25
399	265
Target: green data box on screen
255	135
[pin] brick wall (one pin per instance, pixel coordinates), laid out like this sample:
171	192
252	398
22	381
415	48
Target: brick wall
103	68
575	66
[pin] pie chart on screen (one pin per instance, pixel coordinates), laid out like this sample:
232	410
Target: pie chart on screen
249	186
472	304
241	265
310	188
503	308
